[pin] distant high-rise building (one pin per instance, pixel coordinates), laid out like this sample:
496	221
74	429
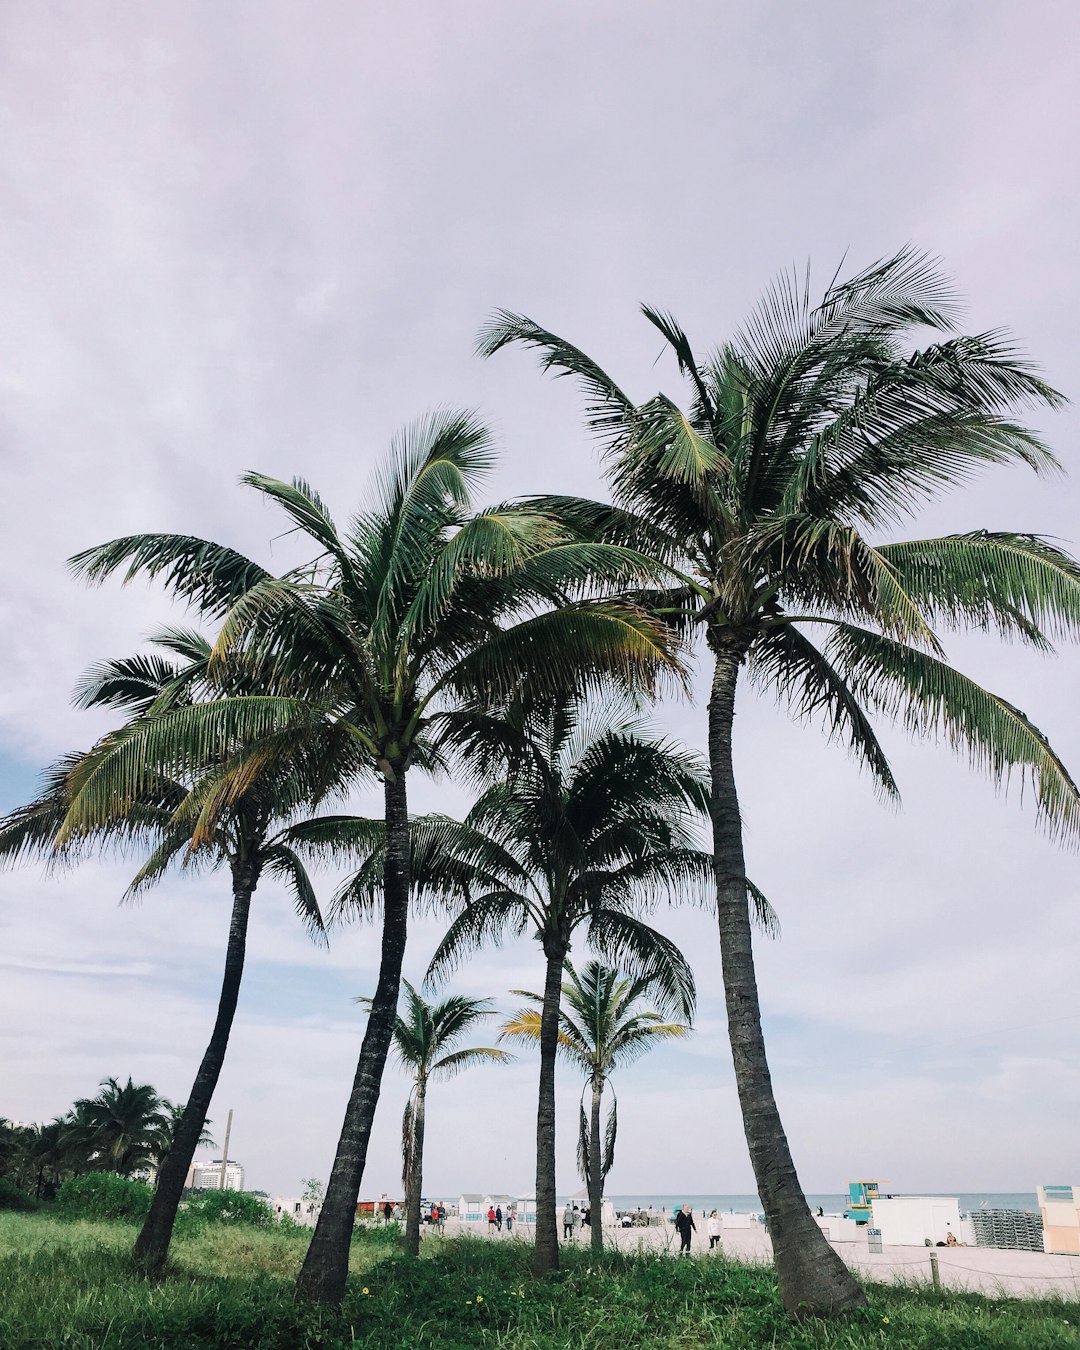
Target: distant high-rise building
206	1176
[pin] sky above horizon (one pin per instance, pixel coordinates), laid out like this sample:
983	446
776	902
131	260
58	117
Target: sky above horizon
263	236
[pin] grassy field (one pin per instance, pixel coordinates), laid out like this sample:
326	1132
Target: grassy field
69	1284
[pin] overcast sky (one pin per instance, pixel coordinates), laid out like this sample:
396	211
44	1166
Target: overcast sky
263	235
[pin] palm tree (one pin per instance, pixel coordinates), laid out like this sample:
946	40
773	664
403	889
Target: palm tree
421	606
124	1127
219	808
424	1039
173	1116
603	1024
812	426
592	824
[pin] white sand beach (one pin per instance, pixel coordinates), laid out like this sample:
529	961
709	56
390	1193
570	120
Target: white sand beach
985	1270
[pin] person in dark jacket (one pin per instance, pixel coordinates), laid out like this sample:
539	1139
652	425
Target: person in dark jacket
684	1226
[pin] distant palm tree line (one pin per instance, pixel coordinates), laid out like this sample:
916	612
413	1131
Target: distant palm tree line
126	1128
512	644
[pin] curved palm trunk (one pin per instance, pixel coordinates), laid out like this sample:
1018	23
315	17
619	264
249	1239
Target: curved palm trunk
414	1172
546	1250
596	1170
322	1276
813	1279
152	1244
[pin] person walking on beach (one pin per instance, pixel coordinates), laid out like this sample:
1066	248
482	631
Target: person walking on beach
491	1218
713	1229
387	1212
509	1220
684	1226
498	1217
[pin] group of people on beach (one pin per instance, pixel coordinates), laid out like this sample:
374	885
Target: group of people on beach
496	1218
685	1225
573	1219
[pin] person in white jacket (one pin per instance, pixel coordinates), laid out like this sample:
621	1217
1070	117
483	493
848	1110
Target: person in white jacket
714	1230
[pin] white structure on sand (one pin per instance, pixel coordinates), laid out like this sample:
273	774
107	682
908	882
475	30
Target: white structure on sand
915	1220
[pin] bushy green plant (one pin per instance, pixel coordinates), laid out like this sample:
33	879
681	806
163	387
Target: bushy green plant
231	1207
11	1197
104	1195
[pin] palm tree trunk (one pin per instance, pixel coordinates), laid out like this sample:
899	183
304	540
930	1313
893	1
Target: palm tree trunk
546	1249
414	1178
152	1244
596	1173
813	1279
322	1276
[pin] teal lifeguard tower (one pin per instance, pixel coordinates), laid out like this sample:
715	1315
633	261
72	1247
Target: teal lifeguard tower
861	1194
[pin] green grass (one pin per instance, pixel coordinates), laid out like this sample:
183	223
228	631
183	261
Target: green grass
70	1284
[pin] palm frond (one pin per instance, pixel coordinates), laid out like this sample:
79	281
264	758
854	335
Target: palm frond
449	1066
1019	584
281	862
211	576
608	410
928	697
786	662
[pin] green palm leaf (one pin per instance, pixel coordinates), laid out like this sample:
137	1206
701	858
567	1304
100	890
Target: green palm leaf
928	697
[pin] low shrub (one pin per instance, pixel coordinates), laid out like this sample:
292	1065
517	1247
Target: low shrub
103	1195
11	1197
230	1207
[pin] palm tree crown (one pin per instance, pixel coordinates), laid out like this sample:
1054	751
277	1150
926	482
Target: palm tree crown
127	1125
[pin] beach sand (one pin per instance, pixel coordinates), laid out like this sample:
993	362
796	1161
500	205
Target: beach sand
985	1270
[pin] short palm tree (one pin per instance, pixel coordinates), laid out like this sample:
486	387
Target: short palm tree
228	810
592	823
812	426
421	606
424	1041
124	1126
604	1023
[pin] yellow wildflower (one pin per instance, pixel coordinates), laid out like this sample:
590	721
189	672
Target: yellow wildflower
479	1298
884	1319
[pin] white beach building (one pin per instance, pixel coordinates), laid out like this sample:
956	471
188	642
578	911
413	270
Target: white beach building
914	1220
301	1211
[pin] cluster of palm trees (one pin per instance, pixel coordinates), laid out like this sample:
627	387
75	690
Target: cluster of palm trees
127	1128
514	645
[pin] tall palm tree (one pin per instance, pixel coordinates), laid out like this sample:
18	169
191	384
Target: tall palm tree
604	1023
592	823
123	1126
812	426
204	807
423	1040
420	606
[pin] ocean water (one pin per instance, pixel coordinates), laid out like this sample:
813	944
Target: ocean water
831	1204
